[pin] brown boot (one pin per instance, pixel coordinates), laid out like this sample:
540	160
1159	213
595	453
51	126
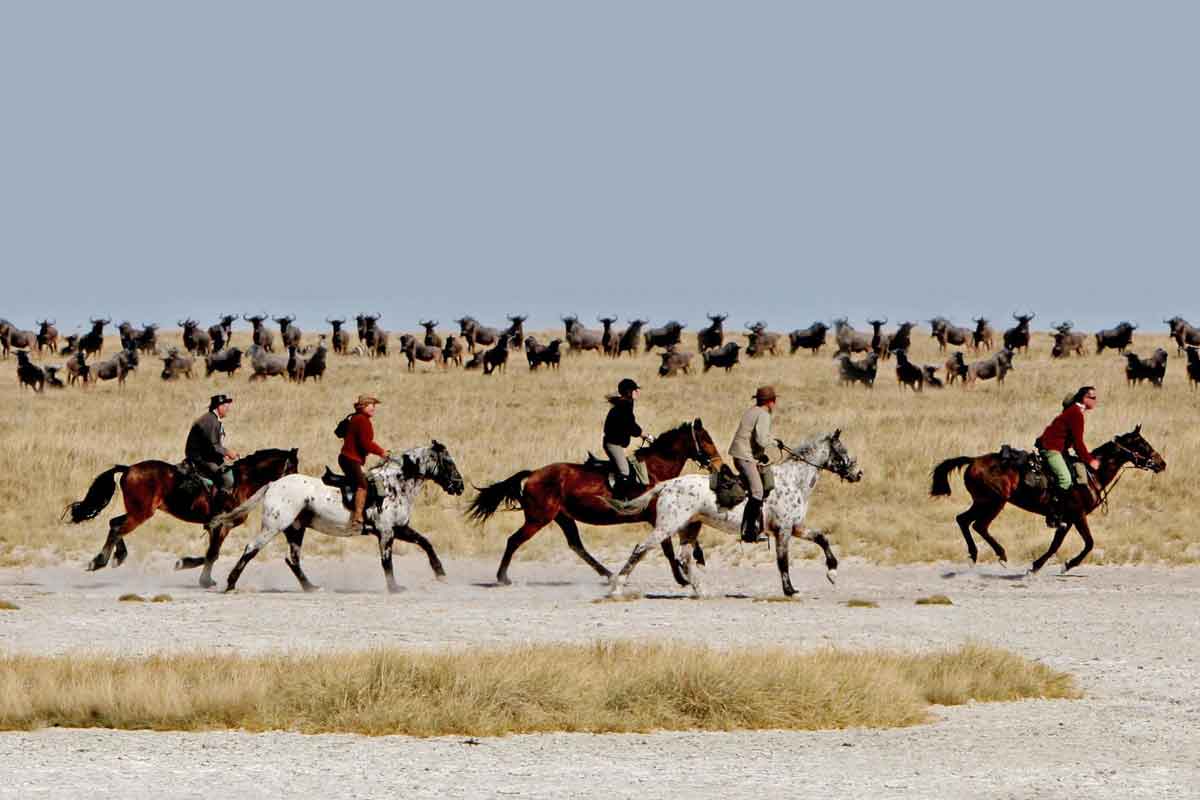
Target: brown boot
360	502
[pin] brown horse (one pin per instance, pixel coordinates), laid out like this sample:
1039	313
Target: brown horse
993	484
150	485
569	493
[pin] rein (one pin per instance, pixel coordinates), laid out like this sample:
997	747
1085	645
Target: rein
783	448
1135	461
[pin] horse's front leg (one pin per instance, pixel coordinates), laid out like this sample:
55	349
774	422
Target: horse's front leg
386	538
687	545
818	538
1085	533
1060	533
781	559
262	540
406	534
617	582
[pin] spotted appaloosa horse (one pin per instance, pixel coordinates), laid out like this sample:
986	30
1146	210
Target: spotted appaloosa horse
994	484
566	493
297	502
150	485
686	502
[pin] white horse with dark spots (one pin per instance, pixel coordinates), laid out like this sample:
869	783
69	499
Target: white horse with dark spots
687	502
296	503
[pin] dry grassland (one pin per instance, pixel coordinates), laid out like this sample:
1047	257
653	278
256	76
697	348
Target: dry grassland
603	688
54	444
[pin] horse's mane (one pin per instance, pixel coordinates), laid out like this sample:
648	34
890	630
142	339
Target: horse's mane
649	448
804	446
262	455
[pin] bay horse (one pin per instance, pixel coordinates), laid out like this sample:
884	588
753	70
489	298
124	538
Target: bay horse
569	493
994	484
148	486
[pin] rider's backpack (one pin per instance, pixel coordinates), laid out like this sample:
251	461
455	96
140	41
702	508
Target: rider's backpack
343	427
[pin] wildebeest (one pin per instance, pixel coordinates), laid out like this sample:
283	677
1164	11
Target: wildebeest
20	340
1066	340
176	364
665	336
315	362
92	342
674	362
581	338
983	336
995	367
712	335
724	356
432	337
265	364
116	368
497	357
228	361
849	340
147	341
1193	365
72	345
341	338
608	338
416	351
78	369
47	336
476	334
1017	337
260	334
1183	332
761	340
1152	369
221	332
289	334
863	372
28	373
947	334
515	331
810	338
453	351
956	368
5	329
907	373
879	340
630	339
1118	338
52	379
195	340
128	334
900	340
538	354
931	378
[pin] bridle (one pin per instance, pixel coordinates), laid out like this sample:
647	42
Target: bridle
836	464
701	457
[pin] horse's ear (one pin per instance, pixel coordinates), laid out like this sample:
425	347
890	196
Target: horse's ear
697	423
1138	429
438	446
837	433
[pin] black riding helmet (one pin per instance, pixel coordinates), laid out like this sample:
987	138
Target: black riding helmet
626	387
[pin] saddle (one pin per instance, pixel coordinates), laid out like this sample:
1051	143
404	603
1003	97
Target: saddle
765	474
342	484
1034	472
637	470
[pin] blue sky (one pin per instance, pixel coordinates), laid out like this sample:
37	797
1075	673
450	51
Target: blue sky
787	161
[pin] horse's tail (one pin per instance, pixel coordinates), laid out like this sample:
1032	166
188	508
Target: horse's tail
489	499
238	513
99	495
941	474
631	508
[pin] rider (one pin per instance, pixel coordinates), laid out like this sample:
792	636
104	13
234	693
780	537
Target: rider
205	450
748	450
357	444
619	428
1066	431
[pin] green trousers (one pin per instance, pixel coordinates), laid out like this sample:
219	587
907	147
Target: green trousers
1058	466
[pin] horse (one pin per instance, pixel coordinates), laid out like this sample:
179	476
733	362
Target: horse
686	502
296	503
993	484
568	493
150	485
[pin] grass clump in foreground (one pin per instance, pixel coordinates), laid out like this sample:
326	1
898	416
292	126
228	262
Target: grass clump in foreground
7	606
600	688
935	600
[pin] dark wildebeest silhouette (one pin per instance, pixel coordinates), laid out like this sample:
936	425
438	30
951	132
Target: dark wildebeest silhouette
810	338
995	367
1193	365
901	339
608	337
761	340
497	357
340	338
515	331
28	373
20	340
92	342
1066	340
129	335
879	340
674	362
726	356
948	334
907	373
983	337
432	337
228	361
994	483
116	368
148	486
416	351
863	372
289	334
931	378
956	368
665	336
176	364
47	336
580	338
1118	338
570	493
849	340
260	334
264	364
52	379
315	362
452	352
631	338
538	354
6	328
1017	337
147	342
1183	333
712	335
476	334
1152	369
78	369
221	332
195	340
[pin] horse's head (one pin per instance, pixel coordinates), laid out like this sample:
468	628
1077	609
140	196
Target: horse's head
704	451
1140	453
270	464
829	452
432	463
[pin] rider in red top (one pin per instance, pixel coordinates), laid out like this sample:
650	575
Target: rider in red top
359	442
1063	433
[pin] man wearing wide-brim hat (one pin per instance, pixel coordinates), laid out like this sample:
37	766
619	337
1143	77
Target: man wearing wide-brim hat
205	450
359	442
748	450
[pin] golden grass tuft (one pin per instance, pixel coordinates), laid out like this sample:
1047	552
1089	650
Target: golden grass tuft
860	603
130	597
161	598
935	600
5	605
600	688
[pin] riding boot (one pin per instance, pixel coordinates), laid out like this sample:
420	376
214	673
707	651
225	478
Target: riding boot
360	503
751	520
1056	513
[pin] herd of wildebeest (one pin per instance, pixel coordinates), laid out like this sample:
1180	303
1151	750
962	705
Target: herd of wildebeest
479	347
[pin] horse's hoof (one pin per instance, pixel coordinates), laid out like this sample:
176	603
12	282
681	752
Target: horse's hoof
831	576
207	583
503	581
230	589
179	564
309	588
1004	563
396	589
440	577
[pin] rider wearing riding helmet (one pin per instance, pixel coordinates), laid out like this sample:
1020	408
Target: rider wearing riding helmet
1066	431
619	429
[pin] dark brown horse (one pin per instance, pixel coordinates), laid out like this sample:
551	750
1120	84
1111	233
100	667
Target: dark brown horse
150	485
569	493
993	484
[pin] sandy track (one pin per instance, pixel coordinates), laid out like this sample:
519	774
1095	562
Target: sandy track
1130	635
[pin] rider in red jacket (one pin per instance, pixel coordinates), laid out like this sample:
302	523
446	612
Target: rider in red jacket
357	445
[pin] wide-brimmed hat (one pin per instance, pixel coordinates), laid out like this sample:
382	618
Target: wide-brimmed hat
365	400
218	400
764	394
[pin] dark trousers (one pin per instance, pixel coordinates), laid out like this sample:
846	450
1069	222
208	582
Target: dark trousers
353	471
